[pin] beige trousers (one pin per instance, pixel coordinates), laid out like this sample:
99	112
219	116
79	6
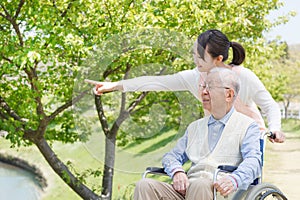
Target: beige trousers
150	189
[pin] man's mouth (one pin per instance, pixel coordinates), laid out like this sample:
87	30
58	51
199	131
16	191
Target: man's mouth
205	100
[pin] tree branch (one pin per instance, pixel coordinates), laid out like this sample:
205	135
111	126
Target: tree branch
13	22
63	14
107	72
136	102
29	133
7	15
123	98
126	10
3	116
141	97
2	15
110	16
19	8
123	112
101	115
62	170
147	105
67	105
32	76
7	59
9	111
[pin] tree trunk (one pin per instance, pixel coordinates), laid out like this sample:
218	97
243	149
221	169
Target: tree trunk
107	181
62	170
286	107
110	141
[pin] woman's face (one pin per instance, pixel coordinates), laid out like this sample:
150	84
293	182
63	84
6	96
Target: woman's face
204	64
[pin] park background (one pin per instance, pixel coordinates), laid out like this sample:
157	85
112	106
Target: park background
59	35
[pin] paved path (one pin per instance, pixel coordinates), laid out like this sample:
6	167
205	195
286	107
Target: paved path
282	166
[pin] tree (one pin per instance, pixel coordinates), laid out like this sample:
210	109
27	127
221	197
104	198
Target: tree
288	68
45	44
37	59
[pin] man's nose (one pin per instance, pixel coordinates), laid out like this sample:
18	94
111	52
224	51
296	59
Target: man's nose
205	90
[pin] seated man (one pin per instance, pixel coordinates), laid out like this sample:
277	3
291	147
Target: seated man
226	137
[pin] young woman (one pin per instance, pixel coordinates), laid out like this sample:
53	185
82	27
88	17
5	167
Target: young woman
211	50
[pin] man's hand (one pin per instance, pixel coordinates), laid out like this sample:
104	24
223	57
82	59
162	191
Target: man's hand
224	186
180	182
280	137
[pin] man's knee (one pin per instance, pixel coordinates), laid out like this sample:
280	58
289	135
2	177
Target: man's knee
145	189
144	184
202	182
200	188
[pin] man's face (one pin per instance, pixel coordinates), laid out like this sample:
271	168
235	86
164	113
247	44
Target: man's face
204	64
214	95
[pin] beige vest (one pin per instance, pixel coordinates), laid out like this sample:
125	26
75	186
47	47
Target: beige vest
226	152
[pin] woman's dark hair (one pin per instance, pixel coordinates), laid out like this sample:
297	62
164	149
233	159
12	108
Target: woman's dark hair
218	44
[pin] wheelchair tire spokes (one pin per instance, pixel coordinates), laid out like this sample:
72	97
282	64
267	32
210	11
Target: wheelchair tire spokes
265	191
273	194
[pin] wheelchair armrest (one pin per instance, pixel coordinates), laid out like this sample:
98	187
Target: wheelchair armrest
159	170
230	168
154	170
227	168
222	168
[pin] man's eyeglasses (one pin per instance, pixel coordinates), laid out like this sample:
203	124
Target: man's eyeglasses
209	88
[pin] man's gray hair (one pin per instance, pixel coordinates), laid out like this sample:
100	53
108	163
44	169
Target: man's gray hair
228	78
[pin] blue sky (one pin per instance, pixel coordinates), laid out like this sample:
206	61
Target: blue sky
289	32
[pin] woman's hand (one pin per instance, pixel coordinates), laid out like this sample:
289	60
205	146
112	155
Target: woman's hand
279	137
103	87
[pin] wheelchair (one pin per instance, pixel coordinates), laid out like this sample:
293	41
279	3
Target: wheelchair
256	191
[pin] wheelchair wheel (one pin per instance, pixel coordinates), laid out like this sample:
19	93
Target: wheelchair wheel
265	191
273	194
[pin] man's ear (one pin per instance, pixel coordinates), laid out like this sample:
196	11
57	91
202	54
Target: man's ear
229	94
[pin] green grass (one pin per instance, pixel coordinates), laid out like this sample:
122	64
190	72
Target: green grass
291	126
130	163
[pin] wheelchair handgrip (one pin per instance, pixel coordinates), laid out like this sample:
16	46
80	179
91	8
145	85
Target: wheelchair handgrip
227	168
272	135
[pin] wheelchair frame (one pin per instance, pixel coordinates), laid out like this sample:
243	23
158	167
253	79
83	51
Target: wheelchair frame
256	191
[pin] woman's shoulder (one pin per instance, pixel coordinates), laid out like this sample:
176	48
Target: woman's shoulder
243	71
248	77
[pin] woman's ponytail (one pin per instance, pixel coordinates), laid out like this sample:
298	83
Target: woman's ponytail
239	53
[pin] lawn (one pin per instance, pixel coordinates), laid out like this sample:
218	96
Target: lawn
131	161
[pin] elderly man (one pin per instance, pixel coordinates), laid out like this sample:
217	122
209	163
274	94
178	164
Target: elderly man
226	137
